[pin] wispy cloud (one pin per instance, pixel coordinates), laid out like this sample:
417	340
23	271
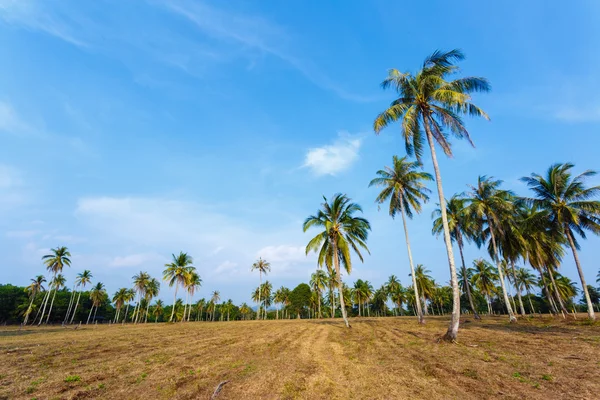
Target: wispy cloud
584	113
334	158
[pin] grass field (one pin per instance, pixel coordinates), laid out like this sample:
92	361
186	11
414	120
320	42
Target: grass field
387	358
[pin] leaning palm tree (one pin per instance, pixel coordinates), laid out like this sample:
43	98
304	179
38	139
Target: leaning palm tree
193	283
216	296
461	229
318	282
490	207
404	188
36	286
120	298
140	283
176	273
527	281
55	262
263	267
151	291
342	231
128	299
57	283
83	278
429	101
393	286
158	309
425	283
571	207
97	295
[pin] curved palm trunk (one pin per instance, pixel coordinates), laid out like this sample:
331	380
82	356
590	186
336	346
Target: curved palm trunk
557	296
412	268
259	293
90	315
464	269
452	332
518	287
147	309
174	300
586	293
95	312
126	312
553	308
75	309
51	305
511	315
336	262
28	310
530	303
37	314
45	302
71	300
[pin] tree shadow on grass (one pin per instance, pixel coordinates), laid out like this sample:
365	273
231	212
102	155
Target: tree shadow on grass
29	331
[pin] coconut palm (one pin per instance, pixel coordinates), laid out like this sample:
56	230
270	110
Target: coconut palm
57	283
342	232
461	229
140	283
158	309
55	262
36	286
425	284
318	282
279	297
429	101
193	283
151	291
484	277
404	188
97	296
83	278
266	297
263	267
398	297
176	273
490	207
392	286
571	208
216	296
527	281
120	298
245	310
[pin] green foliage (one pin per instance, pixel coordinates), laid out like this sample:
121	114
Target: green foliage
300	299
73	378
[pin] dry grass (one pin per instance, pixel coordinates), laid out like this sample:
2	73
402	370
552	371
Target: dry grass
388	358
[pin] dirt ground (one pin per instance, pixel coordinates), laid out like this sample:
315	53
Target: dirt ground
379	358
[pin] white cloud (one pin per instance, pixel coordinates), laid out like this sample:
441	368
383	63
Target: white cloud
334	158
585	113
282	254
23	234
135	260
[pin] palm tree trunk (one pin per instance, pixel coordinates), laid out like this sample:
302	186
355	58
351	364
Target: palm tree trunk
174	300
319	294
465	274
518	287
95	312
259	293
584	287
553	308
90	315
45	302
530	303
332	298
75	309
70	305
511	315
126	312
336	261
420	317
557	296
147	309
28	310
39	309
51	305
452	332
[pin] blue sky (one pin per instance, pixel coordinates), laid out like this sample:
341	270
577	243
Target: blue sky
133	130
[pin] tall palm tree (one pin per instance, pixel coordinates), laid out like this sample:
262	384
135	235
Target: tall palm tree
263	267
279	298
461	229
83	278
318	282
398	297
57	283
176	273
55	262
484	278
97	295
428	101
120	298
425	283
265	295
571	208
140	284
216	296
404	187
393	286
193	283
342	232
36	286
490	206
527	281
130	297
151	291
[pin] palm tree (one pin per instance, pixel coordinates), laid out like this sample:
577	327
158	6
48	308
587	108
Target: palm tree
55	262
318	281
428	101
83	278
158	309
216	296
404	187
398	297
461	228
151	291
56	283
490	207
342	232
527	281
120	298
176	273
140	283
484	278
265	295
263	267
130	296
97	296
393	286
245	310
193	283
570	207
34	288
425	283
279	298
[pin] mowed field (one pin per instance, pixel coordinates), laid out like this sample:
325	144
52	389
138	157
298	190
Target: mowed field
385	358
